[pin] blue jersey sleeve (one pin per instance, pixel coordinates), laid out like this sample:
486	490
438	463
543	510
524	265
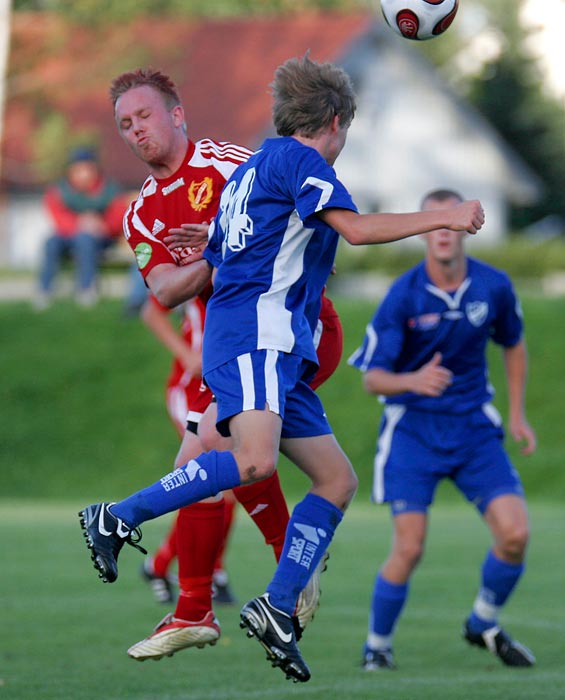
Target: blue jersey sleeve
384	337
317	187
507	328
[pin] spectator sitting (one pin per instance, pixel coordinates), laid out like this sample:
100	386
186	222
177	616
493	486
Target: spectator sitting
86	212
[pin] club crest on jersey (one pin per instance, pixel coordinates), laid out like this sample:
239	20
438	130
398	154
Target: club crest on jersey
200	193
425	322
477	312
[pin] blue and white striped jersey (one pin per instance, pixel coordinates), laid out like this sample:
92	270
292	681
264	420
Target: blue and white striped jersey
416	320
273	254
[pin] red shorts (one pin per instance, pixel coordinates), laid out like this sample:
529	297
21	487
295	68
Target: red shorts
330	346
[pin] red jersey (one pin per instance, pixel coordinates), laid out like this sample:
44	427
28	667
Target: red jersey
189	196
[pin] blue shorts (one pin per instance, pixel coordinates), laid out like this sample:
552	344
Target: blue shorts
417	449
268	378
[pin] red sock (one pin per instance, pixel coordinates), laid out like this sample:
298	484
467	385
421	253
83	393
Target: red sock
167	551
199	537
266	504
229	516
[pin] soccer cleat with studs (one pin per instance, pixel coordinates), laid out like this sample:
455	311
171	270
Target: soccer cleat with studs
172	635
377	659
499	643
105	535
274	629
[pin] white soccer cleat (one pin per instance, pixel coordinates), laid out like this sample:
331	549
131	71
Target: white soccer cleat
172	635
309	600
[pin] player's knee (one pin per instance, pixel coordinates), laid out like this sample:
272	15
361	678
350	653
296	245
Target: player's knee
350	485
515	540
410	552
340	488
256	467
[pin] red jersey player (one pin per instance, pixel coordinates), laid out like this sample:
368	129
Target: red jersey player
183	187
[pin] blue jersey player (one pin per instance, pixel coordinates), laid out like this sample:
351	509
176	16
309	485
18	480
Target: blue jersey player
272	248
424	352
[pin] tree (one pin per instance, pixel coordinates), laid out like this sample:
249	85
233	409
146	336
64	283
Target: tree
509	90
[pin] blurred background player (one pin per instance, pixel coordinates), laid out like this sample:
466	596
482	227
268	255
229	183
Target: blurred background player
86	209
424	351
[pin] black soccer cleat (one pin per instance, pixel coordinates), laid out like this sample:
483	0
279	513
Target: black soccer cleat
105	535
222	593
275	631
377	659
499	643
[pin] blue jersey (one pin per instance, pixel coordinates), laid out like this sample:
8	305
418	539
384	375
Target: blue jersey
416	320
272	252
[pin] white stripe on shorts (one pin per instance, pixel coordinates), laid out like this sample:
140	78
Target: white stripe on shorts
393	413
247	383
272	381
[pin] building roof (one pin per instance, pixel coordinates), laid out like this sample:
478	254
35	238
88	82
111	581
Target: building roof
222	68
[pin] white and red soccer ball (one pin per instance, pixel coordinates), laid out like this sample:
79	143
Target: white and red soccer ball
419	19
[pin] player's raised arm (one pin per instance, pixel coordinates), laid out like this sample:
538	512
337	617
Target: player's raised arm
362	229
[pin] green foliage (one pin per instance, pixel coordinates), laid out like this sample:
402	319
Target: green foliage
97	11
510	93
519	256
85	413
73	631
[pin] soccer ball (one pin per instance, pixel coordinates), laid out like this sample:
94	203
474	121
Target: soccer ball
419	19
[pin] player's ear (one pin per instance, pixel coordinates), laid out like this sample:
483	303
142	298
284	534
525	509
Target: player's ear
177	114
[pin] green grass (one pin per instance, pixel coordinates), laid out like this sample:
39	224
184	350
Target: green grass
64	634
84	419
84	414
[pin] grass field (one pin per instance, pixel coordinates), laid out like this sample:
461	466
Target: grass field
83	392
84	420
64	634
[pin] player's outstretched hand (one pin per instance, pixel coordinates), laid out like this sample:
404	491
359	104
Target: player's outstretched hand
432	379
193	236
522	432
469	216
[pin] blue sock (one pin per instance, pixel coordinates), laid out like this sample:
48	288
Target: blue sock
308	534
386	605
207	475
498	580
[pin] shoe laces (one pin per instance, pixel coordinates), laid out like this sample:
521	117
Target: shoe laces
133	538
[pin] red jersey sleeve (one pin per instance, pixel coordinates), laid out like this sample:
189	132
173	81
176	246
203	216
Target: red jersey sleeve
64	220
